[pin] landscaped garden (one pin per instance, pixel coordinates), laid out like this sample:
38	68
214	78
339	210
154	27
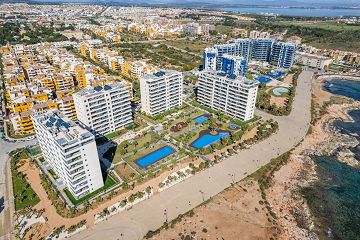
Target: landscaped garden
24	195
108	183
278	100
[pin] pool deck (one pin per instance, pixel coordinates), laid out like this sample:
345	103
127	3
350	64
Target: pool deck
147	167
205	132
203	115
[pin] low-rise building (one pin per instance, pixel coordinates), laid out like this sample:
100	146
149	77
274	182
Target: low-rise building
313	60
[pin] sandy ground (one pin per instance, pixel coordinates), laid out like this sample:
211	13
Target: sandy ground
288	79
54	220
278	101
234	214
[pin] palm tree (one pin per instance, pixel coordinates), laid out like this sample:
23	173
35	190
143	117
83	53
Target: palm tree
212	124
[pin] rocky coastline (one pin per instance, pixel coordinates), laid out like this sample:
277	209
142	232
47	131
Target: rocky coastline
286	196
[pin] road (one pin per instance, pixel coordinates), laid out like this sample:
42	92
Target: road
149	215
6	147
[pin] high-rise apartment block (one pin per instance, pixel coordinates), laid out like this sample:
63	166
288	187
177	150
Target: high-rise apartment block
210	58
233	65
268	50
283	54
104	109
233	95
161	91
71	151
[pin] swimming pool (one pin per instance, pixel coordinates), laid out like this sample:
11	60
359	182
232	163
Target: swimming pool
208	139
201	119
275	74
155	156
263	79
234	127
277	91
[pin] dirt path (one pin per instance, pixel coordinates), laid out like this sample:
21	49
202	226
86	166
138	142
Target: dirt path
54	220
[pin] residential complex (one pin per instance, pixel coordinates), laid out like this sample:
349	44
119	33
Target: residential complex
233	95
233	65
161	91
282	54
259	34
71	151
104	109
313	60
257	49
44	76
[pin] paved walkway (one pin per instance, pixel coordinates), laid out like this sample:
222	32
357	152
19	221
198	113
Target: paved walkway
149	215
5	188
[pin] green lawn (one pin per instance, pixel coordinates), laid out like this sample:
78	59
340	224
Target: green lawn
24	195
243	123
109	182
127	147
33	151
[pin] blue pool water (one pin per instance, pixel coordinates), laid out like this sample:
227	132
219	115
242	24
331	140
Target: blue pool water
208	139
276	74
154	156
263	79
233	127
277	91
201	119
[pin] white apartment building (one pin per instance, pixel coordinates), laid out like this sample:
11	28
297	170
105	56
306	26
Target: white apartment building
161	91
235	96
104	109
259	34
312	60
70	150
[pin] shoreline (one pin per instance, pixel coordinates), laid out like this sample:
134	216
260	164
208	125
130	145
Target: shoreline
285	195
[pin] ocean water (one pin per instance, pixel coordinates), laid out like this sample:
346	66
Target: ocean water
334	199
317	12
346	88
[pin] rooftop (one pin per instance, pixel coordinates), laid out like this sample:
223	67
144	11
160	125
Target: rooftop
232	77
63	130
93	90
160	74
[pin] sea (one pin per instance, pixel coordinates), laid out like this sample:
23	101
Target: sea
334	198
307	12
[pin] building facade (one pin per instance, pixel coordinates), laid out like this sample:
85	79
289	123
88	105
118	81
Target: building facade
268	50
70	150
210	59
283	54
235	96
104	109
161	91
233	65
313	60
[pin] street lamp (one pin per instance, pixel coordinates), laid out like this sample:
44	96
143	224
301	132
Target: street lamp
202	194
166	217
